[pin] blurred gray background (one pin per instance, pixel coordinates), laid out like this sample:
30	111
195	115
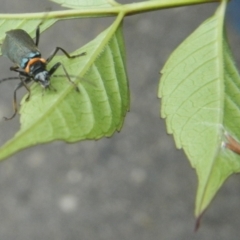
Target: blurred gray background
135	185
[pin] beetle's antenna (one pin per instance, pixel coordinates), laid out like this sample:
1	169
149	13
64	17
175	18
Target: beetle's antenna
80	78
10	78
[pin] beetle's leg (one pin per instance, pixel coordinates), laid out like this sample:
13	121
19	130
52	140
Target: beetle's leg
56	66
24	77
13	68
21	72
21	84
24	82
66	54
15	101
38	27
38	33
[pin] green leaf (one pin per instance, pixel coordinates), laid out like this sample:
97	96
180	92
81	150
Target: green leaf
86	3
96	111
200	101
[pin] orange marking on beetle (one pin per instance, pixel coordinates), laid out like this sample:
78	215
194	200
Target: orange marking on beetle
32	61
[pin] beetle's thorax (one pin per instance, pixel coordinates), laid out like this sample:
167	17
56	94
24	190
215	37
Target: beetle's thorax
36	67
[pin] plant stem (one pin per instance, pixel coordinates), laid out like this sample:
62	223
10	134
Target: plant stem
127	9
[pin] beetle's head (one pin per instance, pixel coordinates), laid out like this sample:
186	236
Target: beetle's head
43	78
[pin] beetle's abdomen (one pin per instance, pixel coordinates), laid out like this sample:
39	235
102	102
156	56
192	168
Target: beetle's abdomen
19	47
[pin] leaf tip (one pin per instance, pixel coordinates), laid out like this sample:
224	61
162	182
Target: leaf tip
198	222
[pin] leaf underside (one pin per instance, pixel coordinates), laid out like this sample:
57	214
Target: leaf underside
96	111
200	101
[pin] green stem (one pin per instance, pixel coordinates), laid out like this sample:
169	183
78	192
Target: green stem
136	8
127	9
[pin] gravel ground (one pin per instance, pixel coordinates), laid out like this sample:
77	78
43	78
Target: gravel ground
133	186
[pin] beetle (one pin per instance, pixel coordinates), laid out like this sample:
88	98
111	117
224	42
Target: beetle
20	48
